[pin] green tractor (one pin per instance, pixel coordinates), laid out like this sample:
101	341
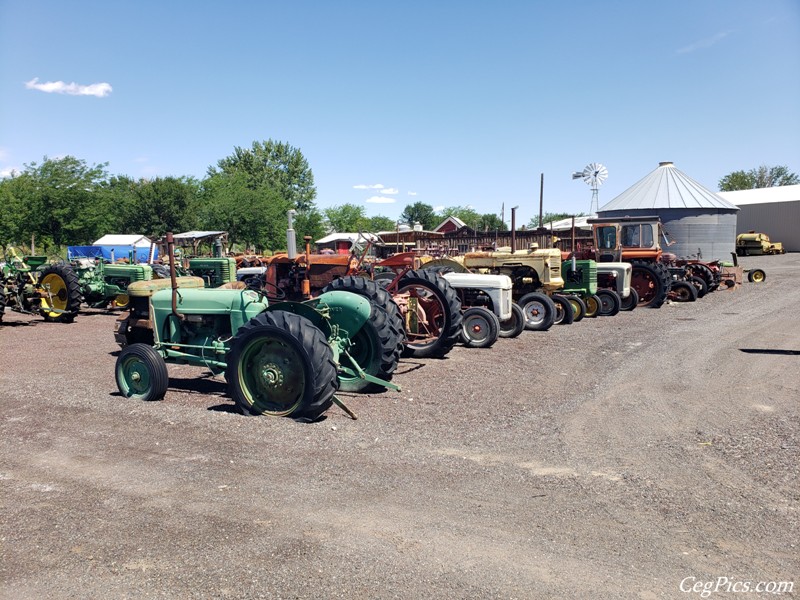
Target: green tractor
280	359
30	285
103	284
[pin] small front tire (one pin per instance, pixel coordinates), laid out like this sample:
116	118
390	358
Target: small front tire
141	373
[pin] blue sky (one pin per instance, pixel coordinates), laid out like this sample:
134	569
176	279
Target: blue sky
448	103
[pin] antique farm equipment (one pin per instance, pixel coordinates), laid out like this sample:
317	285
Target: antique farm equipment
281	359
30	285
634	240
102	283
753	243
535	275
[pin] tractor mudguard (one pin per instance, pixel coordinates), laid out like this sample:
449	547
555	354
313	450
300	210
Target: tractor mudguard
346	310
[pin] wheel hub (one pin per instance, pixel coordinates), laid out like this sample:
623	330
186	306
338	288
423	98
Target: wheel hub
271	375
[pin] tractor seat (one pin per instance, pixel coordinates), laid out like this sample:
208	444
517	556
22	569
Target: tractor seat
145	289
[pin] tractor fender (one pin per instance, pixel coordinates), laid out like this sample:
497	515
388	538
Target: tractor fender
346	310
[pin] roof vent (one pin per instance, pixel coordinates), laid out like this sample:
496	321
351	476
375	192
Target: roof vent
666	163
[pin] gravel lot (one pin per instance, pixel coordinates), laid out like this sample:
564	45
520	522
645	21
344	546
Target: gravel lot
612	458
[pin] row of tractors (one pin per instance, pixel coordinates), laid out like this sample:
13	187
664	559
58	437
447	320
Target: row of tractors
290	330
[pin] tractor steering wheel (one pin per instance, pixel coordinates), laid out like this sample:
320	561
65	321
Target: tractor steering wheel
266	289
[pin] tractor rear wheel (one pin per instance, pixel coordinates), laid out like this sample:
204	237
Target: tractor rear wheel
539	311
480	327
756	276
376	294
609	302
280	364
651	283
565	314
631	301
433	315
593	304
141	373
376	348
512	327
62	290
683	291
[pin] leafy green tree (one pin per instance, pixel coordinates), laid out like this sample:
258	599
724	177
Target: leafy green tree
274	164
14	201
380	223
254	218
549	217
421	213
346	218
491	222
762	177
153	207
59	203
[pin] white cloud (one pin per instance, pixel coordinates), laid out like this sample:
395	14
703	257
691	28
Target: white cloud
412	193
706	43
376	186
380	200
72	89
390	191
439	208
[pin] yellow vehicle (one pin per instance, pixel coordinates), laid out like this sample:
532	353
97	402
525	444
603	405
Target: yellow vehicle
756	243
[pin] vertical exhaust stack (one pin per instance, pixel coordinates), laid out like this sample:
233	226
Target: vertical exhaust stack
291	238
172	274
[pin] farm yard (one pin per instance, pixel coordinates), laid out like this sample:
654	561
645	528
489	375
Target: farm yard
629	456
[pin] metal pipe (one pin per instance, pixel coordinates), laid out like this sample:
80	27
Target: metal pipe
172	274
514	229
291	236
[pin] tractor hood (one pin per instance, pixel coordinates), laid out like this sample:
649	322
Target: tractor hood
475	280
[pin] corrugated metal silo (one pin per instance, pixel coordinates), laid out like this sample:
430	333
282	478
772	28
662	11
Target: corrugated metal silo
698	222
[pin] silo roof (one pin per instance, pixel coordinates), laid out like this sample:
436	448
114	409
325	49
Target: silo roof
667	187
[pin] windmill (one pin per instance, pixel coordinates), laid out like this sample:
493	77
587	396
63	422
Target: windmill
594	175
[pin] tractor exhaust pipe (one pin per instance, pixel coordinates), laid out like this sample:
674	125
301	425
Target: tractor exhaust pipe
291	239
172	274
306	283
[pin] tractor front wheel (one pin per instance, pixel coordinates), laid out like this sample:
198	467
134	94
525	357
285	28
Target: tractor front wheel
593	305
280	364
578	307
683	292
479	328
141	373
565	314
539	311
512	327
756	276
609	302
631	302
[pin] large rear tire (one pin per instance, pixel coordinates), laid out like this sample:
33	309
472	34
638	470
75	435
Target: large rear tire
62	289
141	373
376	348
651	283
480	327
280	364
434	326
539	311
376	294
515	325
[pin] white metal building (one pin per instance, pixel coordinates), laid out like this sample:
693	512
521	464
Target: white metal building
774	211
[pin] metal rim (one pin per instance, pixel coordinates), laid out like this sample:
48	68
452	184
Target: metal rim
425	326
135	377
58	291
272	376
535	312
592	305
363	351
476	327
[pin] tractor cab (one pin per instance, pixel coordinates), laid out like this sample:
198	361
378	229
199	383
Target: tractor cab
620	239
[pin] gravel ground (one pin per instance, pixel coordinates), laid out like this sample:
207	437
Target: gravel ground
612	458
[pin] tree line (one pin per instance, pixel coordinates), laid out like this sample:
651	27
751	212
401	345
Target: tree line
65	201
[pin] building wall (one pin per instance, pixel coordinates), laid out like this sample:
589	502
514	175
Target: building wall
779	220
697	233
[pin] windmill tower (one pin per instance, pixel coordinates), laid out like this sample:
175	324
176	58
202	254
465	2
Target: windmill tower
593	175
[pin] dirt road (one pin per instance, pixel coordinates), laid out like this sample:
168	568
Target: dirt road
622	457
